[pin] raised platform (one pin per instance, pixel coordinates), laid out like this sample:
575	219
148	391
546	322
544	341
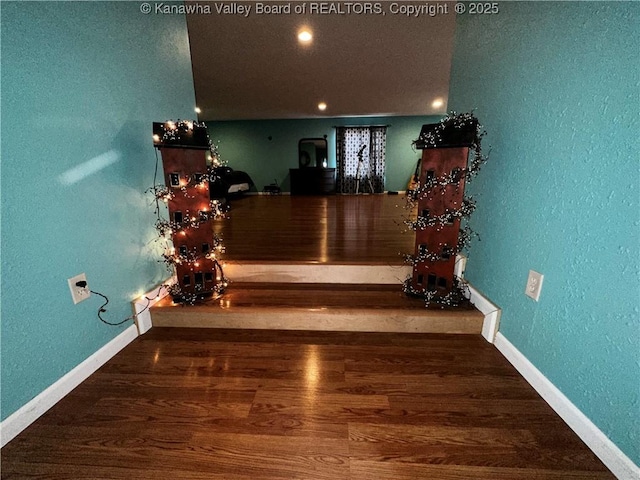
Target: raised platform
318	263
319	307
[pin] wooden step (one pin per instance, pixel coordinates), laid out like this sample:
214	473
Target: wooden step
307	272
314	272
320	307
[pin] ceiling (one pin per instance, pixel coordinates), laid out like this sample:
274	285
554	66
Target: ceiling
253	67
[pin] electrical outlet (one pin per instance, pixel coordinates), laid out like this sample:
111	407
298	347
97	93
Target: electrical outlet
534	285
78	294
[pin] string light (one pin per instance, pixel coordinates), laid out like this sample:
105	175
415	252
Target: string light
429	188
458	295
422	222
176	132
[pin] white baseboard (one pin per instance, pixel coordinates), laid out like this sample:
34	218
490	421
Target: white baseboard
31	411
490	311
460	266
621	465
142	307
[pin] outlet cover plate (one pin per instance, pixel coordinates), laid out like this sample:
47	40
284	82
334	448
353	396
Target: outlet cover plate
534	285
78	294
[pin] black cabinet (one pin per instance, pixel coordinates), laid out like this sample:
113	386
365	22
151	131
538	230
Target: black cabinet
313	181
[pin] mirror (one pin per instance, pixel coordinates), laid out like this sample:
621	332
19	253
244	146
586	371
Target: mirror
312	152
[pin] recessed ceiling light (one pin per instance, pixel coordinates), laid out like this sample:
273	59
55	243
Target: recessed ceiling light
197	110
322	106
305	36
437	103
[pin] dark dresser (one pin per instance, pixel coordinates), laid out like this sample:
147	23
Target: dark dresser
313	181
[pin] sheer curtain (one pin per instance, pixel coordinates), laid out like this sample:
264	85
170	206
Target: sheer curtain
360	159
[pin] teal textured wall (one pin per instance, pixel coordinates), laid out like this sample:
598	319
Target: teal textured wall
245	145
556	85
81	84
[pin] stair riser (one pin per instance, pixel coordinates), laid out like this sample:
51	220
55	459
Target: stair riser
324	273
320	320
314	273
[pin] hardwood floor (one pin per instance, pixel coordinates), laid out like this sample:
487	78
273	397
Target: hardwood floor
239	405
346	229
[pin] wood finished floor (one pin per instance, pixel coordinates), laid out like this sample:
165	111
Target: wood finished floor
256	405
343	229
316	296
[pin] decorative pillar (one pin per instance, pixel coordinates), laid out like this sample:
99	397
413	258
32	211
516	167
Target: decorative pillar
441	206
186	159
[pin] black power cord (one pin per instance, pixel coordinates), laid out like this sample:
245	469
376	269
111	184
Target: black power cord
83	284
102	310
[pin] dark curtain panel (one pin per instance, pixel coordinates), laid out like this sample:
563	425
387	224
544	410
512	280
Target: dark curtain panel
361	159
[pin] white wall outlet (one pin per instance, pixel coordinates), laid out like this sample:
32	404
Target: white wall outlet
79	294
534	285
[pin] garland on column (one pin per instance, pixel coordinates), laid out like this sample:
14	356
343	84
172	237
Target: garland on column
433	186
173	133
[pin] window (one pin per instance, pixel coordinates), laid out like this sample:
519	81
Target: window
360	155
174	179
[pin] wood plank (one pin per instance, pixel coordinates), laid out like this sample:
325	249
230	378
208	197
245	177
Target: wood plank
242	404
342	229
367	470
88	472
315	295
